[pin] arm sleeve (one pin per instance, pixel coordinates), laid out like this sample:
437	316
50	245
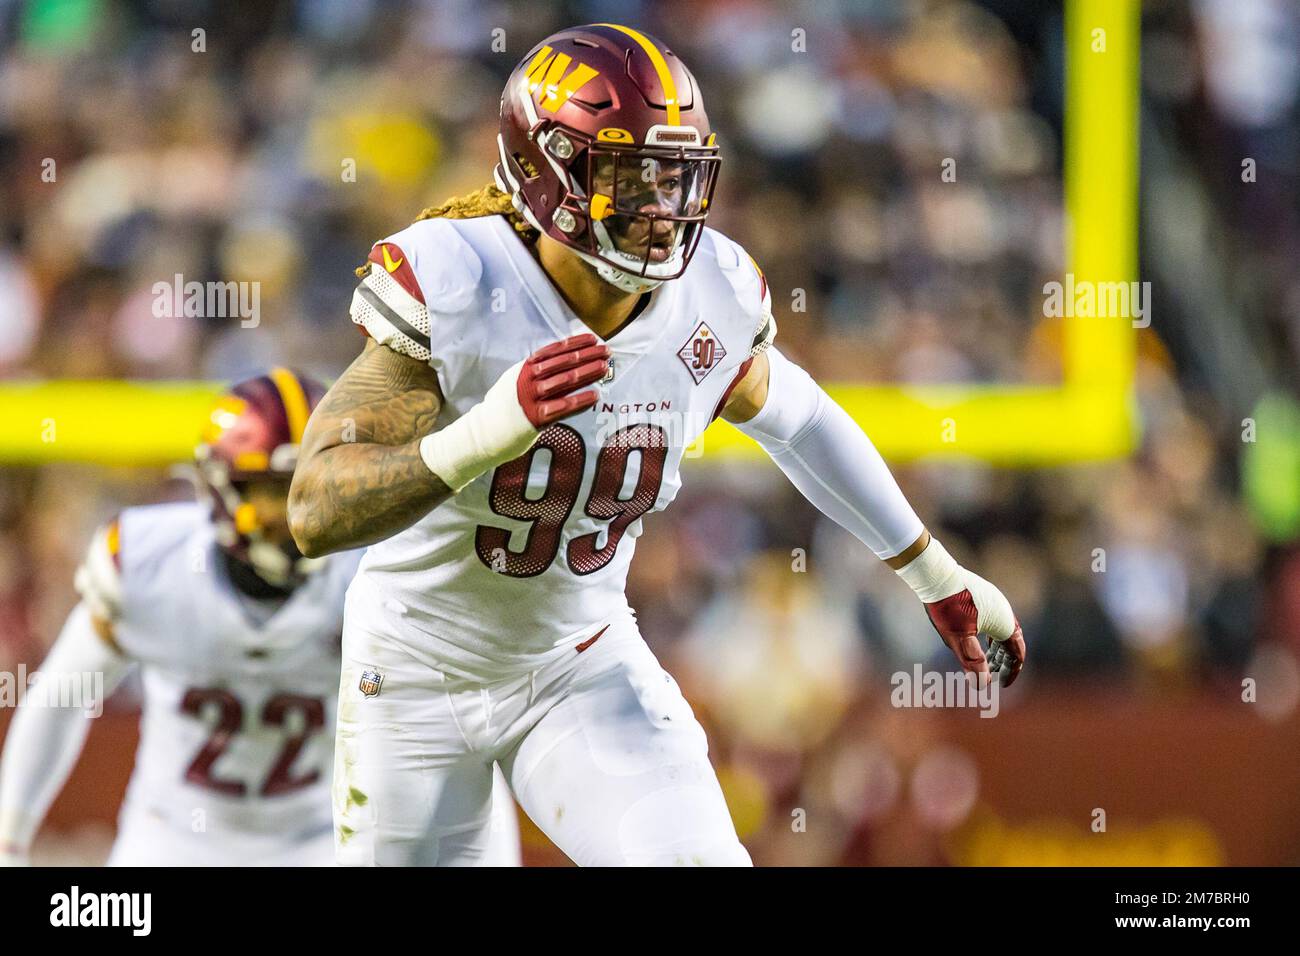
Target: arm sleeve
831	460
44	739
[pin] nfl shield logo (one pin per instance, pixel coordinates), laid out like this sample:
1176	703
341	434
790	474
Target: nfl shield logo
370	681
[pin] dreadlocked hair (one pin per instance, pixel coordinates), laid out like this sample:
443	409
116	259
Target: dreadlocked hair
488	201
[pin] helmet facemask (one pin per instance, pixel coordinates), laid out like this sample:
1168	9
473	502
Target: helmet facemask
635	213
646	210
239	529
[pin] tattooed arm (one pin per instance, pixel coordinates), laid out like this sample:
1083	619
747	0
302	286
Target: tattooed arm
352	490
360	477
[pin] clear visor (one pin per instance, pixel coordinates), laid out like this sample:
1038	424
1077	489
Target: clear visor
645	203
644	184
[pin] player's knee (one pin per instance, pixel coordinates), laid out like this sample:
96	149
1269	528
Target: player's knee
732	853
681	826
726	851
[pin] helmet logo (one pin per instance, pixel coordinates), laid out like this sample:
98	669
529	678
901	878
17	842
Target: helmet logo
613	134
672	136
550	72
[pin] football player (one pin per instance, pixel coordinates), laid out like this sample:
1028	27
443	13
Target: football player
540	354
237	638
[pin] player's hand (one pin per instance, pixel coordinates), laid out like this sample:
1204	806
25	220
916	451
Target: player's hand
542	389
962	606
548	383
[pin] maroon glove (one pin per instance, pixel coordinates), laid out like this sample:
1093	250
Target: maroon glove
962	605
957	621
550	378
527	397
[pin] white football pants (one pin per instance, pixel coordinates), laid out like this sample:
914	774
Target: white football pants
599	747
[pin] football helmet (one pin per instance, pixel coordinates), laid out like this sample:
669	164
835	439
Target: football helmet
254	431
605	147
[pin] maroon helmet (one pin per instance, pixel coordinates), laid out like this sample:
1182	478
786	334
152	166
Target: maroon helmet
605	147
254	431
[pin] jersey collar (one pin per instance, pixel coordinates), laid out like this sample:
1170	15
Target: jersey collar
633	338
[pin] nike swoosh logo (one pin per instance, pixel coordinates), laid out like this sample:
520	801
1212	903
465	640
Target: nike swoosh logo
389	264
591	640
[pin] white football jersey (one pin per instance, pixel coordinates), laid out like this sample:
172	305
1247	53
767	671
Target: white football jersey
523	561
237	729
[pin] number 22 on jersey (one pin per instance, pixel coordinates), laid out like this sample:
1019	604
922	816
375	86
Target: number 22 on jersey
230	720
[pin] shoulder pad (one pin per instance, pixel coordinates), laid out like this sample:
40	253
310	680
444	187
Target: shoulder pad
750	285
99	578
428	269
447	269
735	264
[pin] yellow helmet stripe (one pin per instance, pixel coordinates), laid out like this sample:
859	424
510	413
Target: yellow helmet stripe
295	401
661	68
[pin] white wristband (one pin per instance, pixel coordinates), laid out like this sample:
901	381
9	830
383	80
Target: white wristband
933	574
494	431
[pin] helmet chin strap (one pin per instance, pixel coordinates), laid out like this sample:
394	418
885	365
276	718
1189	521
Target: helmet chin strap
631	279
623	281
